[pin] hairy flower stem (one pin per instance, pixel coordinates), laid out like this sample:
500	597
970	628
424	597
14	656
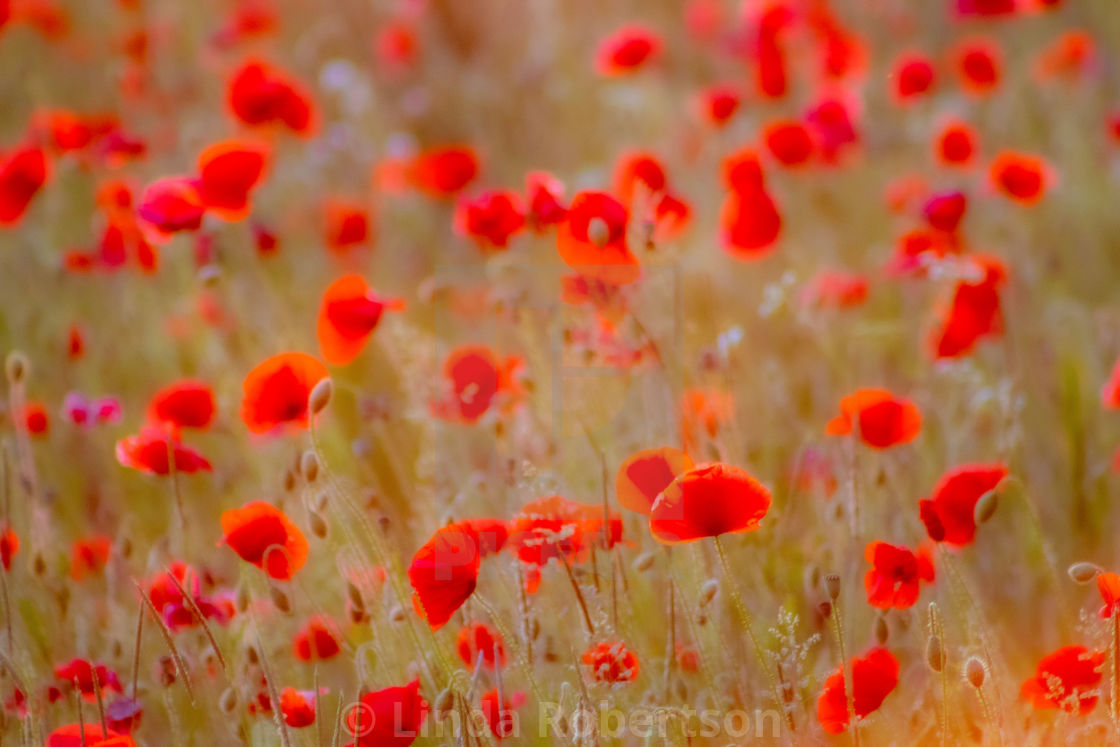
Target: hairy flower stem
847	671
745	621
579	595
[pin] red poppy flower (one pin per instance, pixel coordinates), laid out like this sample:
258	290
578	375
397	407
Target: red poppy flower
611	662
1110	394
884	419
23	172
298	707
643	476
707	501
771	76
88	556
1069	679
718	104
444	573
87	735
556	527
264	536
492	534
543	193
1108	584
396	45
173	607
348	225
985	7
150	452
835	289
501	716
893	580
979	65
188	403
627	50
875	676
913	76
491	218
638	170
789	142
228	172
80	673
749	219
444	170
276	391
476	377
388	718
1068	56
955	144
172	204
593	239
315	641
478	638
9	546
945	211
348	315
1020	176
35	418
974	311
832	120
949	513
262	94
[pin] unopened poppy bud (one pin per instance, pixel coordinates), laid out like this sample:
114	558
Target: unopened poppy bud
832	586
126	548
320	396
1084	573
251	654
882	630
825	608
318	524
309	466
228	701
445	701
38	565
985	507
356	614
354	595
701	619
166	671
396	615
281	600
16	366
935	654
289	480
708	591
644	562
319	502
975	671
242	599
598	232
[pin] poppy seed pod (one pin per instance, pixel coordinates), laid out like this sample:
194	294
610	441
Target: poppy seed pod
281	599
935	654
975	671
318	524
309	466
1083	572
320	396
985	507
16	366
832	586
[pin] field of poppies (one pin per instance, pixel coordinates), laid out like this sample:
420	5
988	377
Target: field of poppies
450	372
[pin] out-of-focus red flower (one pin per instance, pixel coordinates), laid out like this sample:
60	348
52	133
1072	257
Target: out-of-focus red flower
627	50
593	239
444	573
611	662
913	76
9	546
316	641
276	391
1068	679
501	714
707	501
1022	177
883	419
152	451
264	536
260	93
1108	584
477	379
949	513
89	735
478	638
875	676
444	170
543	195
81	673
88	556
492	218
348	314
388	718
188	403
645	474
298	707
23	173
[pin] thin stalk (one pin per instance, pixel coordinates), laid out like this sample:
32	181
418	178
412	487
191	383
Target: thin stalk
745	621
579	595
100	701
136	652
175	656
847	671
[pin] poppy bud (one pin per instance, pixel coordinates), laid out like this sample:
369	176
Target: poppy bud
356	614
882	630
242	599
985	507
702	619
320	396
319	502
598	232
935	655
39	565
126	548
1084	573
209	275
708	591
975	671
318	524
166	671
396	615
445	701
309	466
281	600
289	480
354	595
252	655
832	586
228	701
16	366
644	562
825	608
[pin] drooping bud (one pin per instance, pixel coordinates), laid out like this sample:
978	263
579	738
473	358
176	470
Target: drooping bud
318	524
644	562
985	507
320	396
975	671
16	366
935	654
1084	573
396	614
281	599
228	701
708	591
309	466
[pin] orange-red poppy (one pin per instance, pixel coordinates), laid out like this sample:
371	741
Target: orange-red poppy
707	501
895	577
264	536
348	314
643	476
875	676
949	512
228	171
276	391
611	662
1068	679
188	403
883	419
593	239
444	572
